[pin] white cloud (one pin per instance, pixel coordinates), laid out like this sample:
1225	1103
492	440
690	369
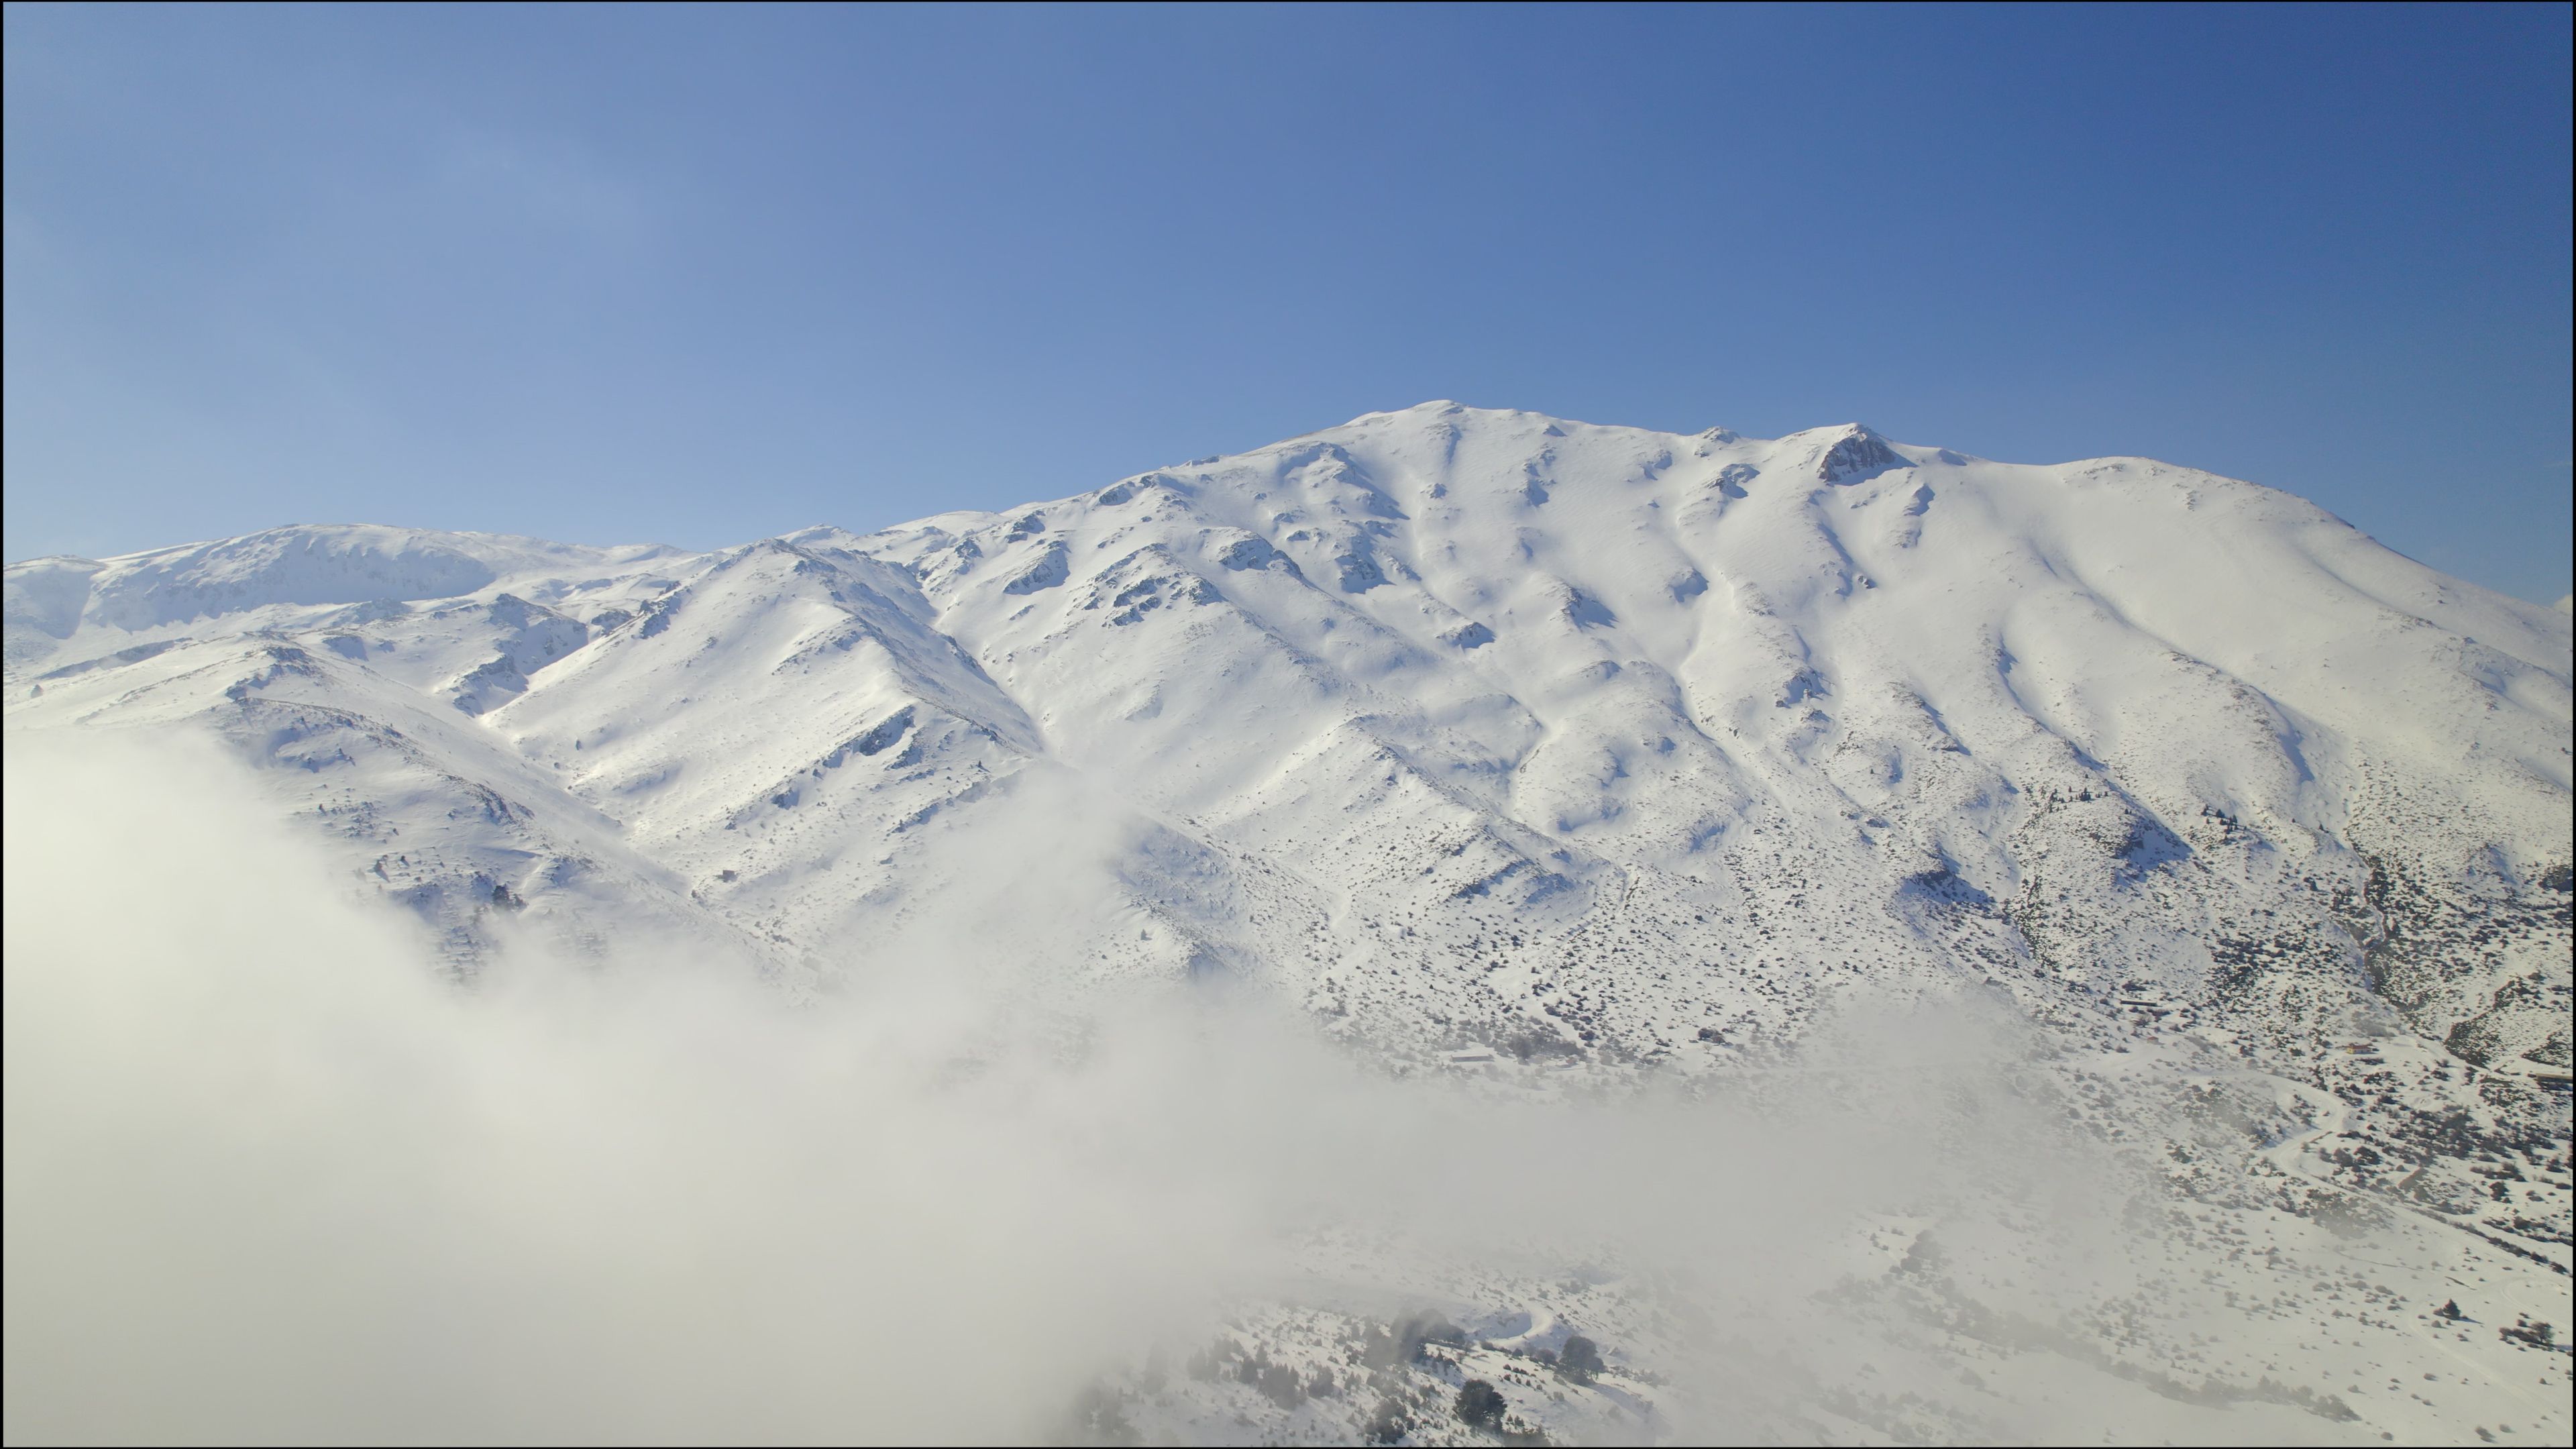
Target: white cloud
270	1176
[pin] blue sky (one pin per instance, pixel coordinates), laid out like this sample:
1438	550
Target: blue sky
702	275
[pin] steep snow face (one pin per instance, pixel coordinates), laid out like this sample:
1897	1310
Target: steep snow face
1444	658
1464	730
768	725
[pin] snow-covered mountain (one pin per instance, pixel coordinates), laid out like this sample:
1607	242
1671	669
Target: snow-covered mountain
1408	689
1483	735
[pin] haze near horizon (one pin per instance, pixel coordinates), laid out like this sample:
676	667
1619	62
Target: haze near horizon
697	277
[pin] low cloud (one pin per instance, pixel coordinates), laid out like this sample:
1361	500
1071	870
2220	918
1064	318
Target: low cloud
273	1174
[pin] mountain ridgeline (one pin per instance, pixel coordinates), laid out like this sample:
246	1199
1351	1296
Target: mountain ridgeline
1468	733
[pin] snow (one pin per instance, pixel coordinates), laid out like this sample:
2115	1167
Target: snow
1507	743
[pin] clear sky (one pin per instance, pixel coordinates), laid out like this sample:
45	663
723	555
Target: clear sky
701	275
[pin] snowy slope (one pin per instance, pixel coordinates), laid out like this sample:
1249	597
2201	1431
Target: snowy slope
1459	696
1486	735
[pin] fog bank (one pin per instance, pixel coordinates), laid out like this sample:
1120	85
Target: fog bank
272	1173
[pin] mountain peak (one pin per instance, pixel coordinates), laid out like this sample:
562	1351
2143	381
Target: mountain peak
1846	452
1579	756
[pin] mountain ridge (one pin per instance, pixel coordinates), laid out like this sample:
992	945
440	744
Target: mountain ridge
1572	760
1342	527
1459	669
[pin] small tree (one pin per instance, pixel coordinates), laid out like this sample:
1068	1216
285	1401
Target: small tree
1278	1383
1480	1406
1580	1360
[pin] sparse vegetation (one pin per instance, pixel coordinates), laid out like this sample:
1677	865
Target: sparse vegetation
1481	1406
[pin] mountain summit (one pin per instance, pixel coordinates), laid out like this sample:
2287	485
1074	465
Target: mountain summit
1459	728
1547	755
1505	729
